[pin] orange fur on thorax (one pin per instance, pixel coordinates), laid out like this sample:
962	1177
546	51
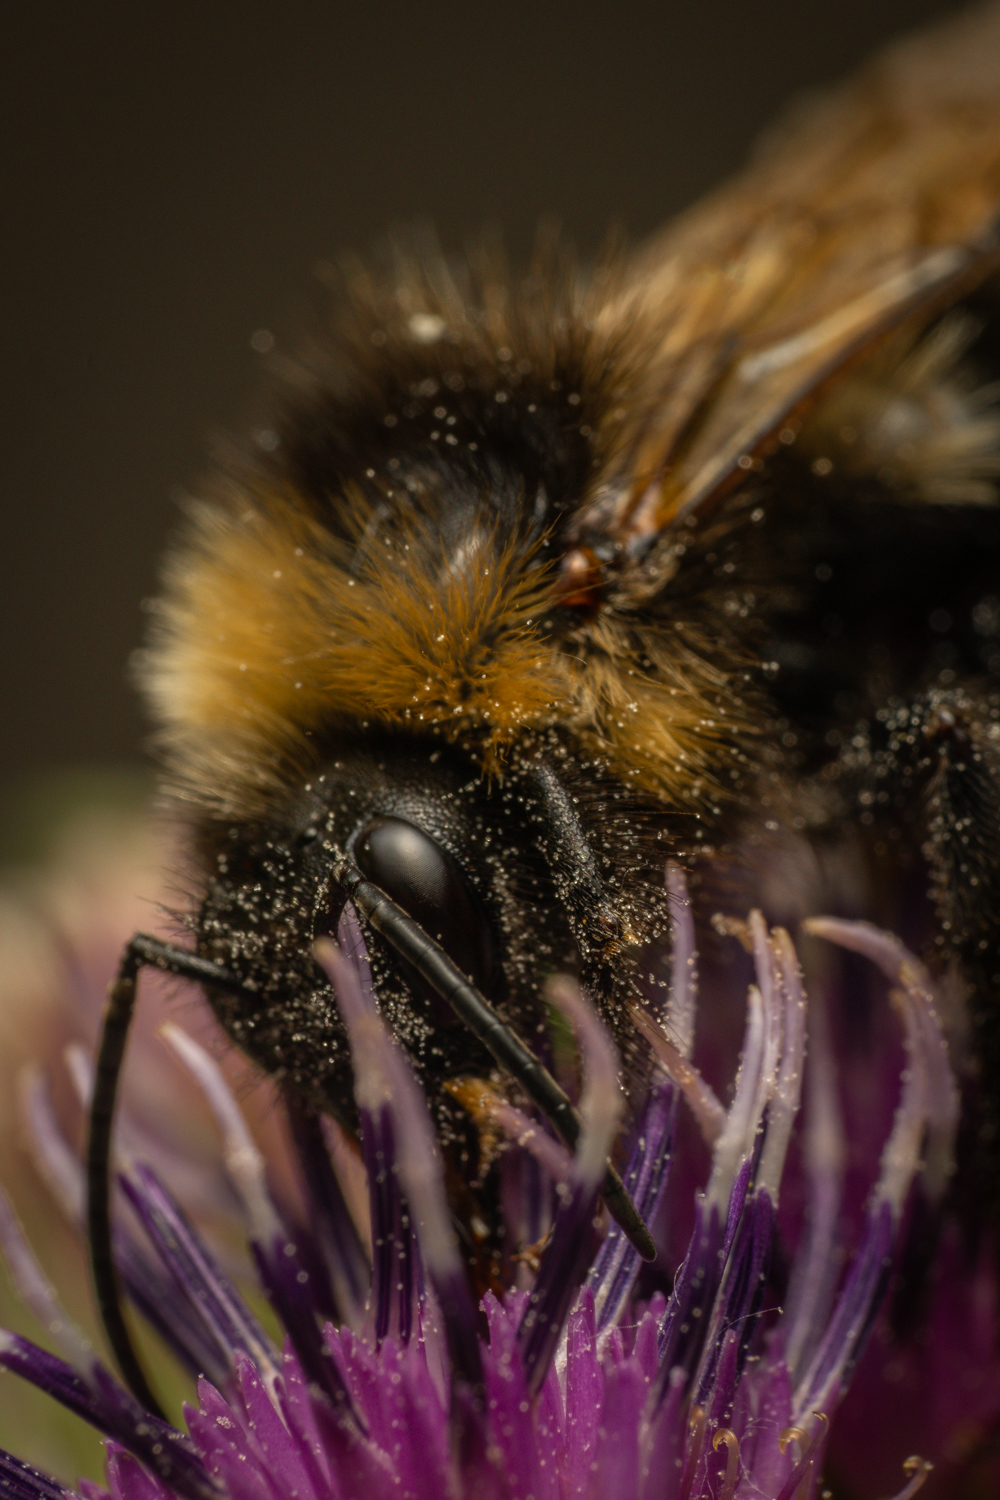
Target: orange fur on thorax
273	629
276	636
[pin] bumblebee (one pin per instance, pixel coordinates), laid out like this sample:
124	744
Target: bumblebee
537	580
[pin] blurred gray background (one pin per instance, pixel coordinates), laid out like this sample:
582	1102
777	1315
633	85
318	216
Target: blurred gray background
173	173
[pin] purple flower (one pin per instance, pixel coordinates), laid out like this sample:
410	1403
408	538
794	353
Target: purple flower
722	1372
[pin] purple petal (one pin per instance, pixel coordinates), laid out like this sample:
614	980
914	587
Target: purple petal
360	1467
740	1295
584	1392
477	1458
853	1314
297	1408
699	1096
616	1460
122	1415
685	1323
395	1274
291	1286
940	1093
195	1272
56	1378
736	1141
570	1247
601	1103
101	1401
174	1319
783	1104
763	1412
358	1364
394	1252
20	1481
532	1137
682	1004
550	1424
769	982
421	1171
279	1451
645	1347
243	1161
526	1201
414	1425
351	942
91	1491
664	1445
814	1272
286	1281
55	1161
128	1480
148	1290
507	1403
352	986
222	1441
164	1450
332	1224
38	1292
396	1119
614	1271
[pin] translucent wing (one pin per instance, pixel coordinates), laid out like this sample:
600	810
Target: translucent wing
873	205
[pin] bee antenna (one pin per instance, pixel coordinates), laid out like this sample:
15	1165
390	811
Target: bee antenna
429	959
141	952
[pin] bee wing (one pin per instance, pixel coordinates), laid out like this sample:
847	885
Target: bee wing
875	204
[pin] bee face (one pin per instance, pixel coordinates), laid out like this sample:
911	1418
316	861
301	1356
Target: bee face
518	878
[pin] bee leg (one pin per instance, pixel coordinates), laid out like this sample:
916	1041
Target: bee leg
141	952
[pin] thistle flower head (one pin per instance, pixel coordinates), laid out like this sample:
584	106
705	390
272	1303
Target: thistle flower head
586	1377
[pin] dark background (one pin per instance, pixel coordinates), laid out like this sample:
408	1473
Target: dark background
175	172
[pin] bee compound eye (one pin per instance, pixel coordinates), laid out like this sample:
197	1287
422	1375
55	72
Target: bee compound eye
425	881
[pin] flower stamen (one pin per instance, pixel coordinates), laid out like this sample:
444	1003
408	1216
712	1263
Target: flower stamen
919	1468
725	1436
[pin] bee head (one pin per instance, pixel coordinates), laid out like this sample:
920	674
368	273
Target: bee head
514	878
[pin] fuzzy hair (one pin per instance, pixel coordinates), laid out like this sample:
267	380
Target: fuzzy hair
395	560
384	569
915	419
272	641
272	633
